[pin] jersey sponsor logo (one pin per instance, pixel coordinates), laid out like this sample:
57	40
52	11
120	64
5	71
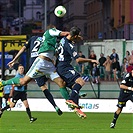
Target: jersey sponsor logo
37	72
40	38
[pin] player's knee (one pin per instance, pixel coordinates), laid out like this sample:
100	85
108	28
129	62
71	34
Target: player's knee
44	87
22	82
80	81
25	80
26	104
119	110
61	83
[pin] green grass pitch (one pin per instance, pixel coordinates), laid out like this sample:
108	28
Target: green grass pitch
50	122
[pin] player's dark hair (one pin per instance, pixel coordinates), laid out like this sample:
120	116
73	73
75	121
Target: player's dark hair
74	31
50	26
20	65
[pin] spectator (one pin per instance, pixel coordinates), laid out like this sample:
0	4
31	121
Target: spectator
115	68
81	65
92	56
130	58
114	55
124	67
127	55
102	59
107	65
130	62
95	73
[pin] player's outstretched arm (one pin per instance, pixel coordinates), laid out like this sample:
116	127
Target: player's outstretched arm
11	63
64	33
83	60
94	61
126	87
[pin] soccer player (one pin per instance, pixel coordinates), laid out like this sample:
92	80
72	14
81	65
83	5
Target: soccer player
33	44
126	93
66	52
19	93
43	64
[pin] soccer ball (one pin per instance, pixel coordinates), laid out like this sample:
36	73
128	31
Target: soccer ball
60	11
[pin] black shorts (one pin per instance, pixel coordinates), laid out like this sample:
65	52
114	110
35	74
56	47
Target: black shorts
22	95
41	80
124	97
68	74
6	96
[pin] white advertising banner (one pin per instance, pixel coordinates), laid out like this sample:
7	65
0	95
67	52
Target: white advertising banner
90	105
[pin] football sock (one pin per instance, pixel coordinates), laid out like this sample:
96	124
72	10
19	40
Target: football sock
115	117
64	93
28	112
11	81
75	92
5	108
49	97
76	99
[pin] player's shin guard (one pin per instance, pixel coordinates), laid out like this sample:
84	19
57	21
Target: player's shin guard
115	117
28	112
49	97
77	87
75	92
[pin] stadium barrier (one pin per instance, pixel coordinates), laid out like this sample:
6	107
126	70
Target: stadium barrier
90	105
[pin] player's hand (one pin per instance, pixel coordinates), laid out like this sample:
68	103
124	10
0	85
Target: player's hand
11	63
130	88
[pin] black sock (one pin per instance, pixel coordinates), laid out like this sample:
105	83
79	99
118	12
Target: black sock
115	117
75	92
28	112
76	99
5	108
49	97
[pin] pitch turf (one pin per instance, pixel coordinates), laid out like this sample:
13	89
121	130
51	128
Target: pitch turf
50	122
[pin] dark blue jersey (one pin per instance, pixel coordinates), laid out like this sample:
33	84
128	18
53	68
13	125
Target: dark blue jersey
128	81
66	51
33	44
125	95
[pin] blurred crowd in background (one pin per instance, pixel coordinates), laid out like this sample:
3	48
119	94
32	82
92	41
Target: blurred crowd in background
109	67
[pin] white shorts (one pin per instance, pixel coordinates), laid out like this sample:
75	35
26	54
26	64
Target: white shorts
42	67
